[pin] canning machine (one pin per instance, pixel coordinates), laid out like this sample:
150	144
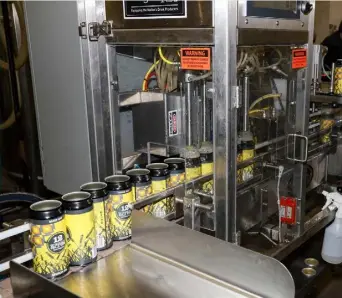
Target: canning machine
121	84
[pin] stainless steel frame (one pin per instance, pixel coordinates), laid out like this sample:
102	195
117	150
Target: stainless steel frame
230	30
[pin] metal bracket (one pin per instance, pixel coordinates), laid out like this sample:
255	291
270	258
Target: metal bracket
235	97
291	139
95	30
82	30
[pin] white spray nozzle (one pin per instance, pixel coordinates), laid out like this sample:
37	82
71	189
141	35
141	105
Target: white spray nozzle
334	199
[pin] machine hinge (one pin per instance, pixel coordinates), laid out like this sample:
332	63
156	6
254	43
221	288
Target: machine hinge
95	30
235	97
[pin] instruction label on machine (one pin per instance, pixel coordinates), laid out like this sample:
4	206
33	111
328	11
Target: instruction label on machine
195	58
299	58
166	9
173	123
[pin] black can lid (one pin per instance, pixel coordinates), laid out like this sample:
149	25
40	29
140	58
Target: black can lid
96	189
118	182
46	210
247	145
139	175
175	164
77	200
158	169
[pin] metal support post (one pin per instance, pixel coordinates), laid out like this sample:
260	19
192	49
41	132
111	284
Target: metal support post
191	213
204	105
303	83
188	86
245	103
224	119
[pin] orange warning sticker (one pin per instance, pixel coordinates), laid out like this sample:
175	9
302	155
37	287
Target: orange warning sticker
195	58
299	58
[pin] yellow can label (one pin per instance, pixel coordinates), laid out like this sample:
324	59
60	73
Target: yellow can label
121	219
176	179
163	207
338	81
326	124
240	171
192	173
140	192
208	187
207	168
81	236
247	172
102	223
49	247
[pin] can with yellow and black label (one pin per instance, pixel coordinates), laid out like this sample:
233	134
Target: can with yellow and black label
102	213
177	171
207	159
48	238
121	197
80	224
192	163
160	176
141	183
338	78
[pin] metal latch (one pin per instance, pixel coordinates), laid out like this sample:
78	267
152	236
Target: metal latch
295	142
95	30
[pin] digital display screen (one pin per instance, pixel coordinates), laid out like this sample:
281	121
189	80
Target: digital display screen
281	5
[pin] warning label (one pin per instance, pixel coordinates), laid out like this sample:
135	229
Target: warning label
299	58
173	123
195	58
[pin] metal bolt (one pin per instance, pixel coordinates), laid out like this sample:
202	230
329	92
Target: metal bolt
302	24
115	83
246	21
277	23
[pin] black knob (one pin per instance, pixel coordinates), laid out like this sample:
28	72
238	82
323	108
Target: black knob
306	7
339	189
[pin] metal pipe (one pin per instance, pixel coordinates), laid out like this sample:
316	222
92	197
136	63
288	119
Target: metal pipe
204	97
270	142
245	103
208	207
203	194
170	191
188	86
331	89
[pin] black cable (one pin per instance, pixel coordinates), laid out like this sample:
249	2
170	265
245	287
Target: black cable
10	55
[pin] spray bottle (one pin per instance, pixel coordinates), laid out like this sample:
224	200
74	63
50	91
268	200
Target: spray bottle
332	243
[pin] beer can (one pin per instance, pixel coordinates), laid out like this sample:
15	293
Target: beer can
141	183
248	152
338	78
238	160
177	171
206	156
192	163
102	213
80	224
48	238
160	176
121	197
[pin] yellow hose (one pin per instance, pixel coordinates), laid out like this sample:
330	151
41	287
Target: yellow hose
260	99
164	58
147	74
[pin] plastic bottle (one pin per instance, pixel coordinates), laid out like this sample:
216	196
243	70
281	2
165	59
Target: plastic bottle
332	243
